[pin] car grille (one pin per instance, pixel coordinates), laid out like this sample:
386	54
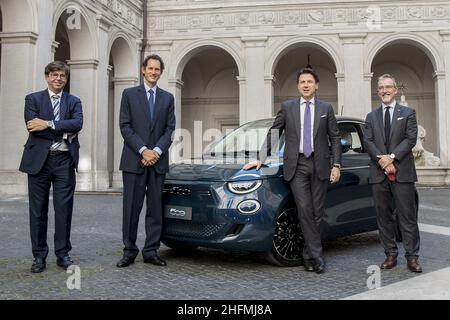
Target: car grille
192	229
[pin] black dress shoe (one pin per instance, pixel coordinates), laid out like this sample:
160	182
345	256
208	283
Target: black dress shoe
157	261
308	264
319	266
414	266
38	265
389	263
64	262
125	262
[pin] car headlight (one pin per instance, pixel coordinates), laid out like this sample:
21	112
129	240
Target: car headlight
243	187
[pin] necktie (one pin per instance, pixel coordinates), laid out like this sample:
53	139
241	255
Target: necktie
387	124
55	104
151	104
307	146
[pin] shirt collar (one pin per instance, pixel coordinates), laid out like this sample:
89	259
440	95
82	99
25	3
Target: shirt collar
147	87
392	105
303	100
51	94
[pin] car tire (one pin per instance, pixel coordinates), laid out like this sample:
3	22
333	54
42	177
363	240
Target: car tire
287	243
178	246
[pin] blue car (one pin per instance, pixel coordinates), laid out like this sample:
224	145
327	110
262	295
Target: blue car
211	202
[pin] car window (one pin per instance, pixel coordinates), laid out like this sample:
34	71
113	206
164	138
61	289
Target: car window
350	138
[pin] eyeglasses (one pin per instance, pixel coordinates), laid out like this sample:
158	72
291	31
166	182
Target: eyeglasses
57	75
381	88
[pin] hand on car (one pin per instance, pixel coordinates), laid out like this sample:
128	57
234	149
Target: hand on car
252	164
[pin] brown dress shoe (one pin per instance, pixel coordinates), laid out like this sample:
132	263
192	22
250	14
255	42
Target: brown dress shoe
414	266
389	263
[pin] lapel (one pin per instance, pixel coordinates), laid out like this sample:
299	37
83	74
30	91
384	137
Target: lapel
396	114
296	117
63	106
143	102
318	112
47	107
379	117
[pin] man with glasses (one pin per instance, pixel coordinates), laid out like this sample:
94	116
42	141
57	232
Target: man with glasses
389	136
50	157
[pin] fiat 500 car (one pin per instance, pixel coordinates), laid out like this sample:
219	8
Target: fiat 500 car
211	202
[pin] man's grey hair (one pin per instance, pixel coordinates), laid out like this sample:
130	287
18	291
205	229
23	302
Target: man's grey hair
387	76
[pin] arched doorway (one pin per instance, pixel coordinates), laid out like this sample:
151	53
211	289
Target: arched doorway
414	77
122	74
210	94
62	46
291	61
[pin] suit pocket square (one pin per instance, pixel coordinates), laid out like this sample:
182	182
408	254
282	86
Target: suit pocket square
323	116
400	118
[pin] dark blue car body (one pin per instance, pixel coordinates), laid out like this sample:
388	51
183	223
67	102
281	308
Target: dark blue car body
202	210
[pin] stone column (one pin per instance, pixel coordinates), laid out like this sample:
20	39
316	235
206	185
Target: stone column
357	102
340	78
242	98
175	86
120	84
162	48
256	106
269	82
18	76
443	105
84	85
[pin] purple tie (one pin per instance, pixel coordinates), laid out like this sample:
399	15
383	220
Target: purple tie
307	147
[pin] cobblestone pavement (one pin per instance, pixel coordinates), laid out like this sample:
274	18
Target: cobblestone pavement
201	274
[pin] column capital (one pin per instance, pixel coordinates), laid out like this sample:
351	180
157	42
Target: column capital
445	34
125	80
18	37
104	23
438	75
339	76
241	79
368	76
254	41
178	83
352	38
270	79
83	64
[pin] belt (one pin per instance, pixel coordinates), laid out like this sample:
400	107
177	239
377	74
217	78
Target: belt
57	152
303	155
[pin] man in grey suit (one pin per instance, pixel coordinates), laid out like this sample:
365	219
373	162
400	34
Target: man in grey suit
147	121
308	124
389	136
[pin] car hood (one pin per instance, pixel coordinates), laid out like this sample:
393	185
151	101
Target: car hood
209	170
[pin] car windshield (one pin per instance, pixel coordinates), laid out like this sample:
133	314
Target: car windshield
246	140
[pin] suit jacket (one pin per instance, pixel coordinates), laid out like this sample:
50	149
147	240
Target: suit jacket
324	129
139	130
38	105
403	137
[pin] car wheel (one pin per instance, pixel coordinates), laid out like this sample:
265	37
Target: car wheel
287	244
178	246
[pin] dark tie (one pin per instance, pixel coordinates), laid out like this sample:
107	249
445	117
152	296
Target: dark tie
307	147
387	124
151	104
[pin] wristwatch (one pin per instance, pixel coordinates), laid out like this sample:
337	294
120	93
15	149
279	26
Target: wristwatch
49	124
392	156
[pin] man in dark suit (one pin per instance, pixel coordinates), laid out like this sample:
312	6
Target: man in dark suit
308	124
389	136
53	119
147	120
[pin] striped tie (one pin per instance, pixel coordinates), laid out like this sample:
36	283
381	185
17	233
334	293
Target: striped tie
55	103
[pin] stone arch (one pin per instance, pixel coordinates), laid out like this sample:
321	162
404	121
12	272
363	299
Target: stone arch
22	17
425	44
185	55
122	50
81	39
302	41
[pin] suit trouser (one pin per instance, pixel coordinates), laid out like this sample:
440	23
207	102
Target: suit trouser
135	188
402	195
59	170
309	194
